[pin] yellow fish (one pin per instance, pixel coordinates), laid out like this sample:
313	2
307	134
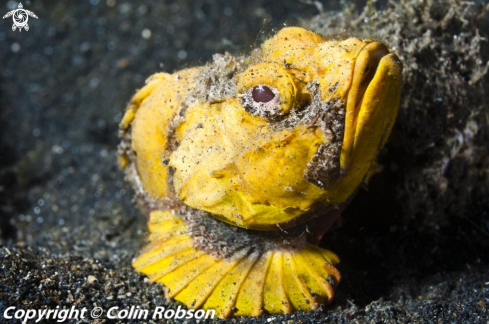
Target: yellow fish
244	163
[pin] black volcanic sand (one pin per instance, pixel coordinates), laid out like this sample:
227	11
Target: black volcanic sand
414	246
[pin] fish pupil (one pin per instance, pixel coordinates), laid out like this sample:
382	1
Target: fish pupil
262	93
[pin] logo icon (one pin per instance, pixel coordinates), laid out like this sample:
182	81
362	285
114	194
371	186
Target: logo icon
20	17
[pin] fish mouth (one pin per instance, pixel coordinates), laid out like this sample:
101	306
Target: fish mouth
366	88
365	69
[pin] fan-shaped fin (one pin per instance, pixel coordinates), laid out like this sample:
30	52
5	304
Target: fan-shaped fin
246	284
164	224
224	296
275	298
297	292
160	249
181	277
250	297
315	270
166	265
314	285
197	292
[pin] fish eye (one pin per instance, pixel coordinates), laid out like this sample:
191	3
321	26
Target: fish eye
262	93
262	100
267	90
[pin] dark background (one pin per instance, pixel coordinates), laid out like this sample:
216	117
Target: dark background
414	245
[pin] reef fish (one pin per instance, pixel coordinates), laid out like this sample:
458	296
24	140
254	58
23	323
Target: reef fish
243	164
